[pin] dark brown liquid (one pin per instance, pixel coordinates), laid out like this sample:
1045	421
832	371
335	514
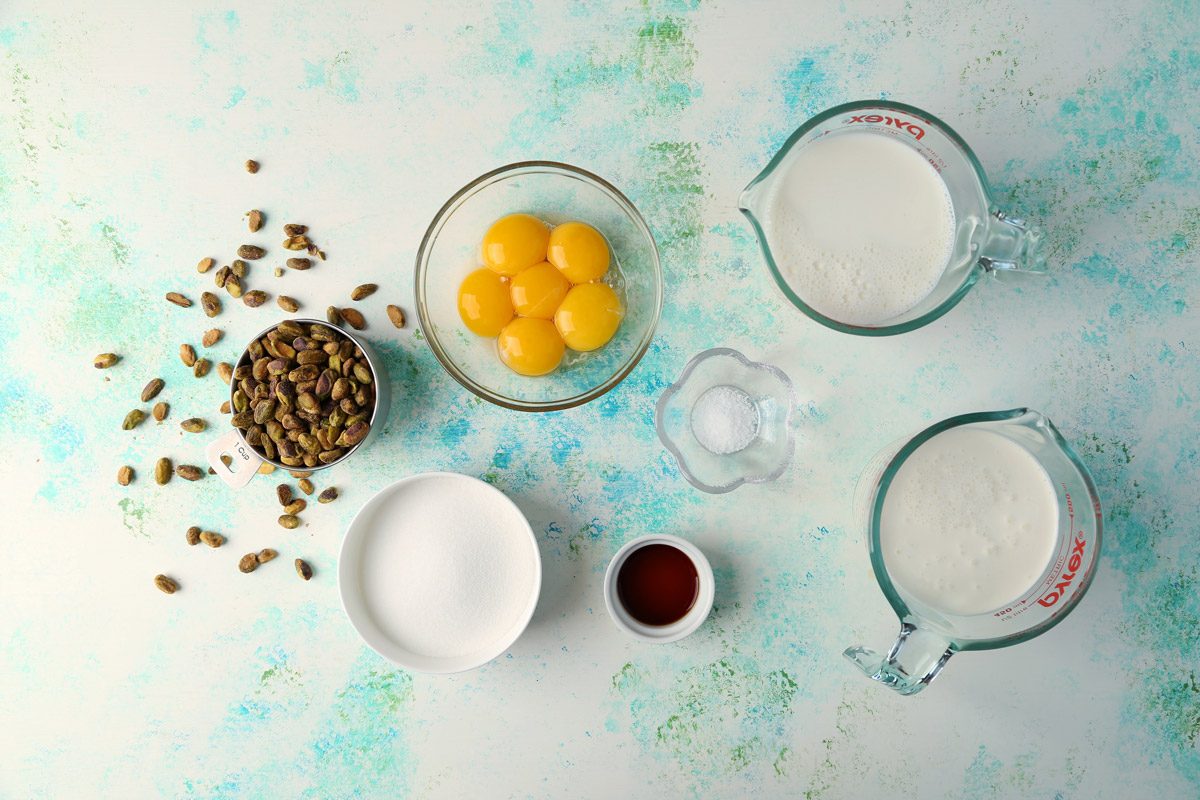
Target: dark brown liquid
658	584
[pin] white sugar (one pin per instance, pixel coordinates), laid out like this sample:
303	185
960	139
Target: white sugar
447	576
724	420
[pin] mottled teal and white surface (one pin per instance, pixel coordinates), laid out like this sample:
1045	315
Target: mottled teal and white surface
121	141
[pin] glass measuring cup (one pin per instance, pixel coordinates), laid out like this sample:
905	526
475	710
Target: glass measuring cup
929	636
986	239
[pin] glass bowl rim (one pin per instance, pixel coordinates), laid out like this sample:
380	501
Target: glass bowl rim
434	229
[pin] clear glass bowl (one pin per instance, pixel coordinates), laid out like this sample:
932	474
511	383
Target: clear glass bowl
555	193
755	453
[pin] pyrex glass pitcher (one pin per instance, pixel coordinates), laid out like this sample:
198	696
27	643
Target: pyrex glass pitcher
929	635
985	239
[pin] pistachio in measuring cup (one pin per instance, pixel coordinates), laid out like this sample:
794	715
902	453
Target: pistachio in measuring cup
304	394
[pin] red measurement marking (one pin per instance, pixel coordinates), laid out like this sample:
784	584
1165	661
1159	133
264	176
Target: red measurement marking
1065	579
908	127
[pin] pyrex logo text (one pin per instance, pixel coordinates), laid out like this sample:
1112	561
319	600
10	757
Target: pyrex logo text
1067	577
916	130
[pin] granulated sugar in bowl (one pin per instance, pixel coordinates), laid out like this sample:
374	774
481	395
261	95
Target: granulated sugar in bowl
439	572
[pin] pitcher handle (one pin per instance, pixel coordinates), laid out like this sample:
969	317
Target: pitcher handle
1011	244
914	660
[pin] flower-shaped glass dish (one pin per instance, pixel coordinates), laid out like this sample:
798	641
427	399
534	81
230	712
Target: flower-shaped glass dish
556	193
727	421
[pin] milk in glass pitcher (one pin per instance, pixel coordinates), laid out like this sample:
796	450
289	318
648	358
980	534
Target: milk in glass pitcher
876	218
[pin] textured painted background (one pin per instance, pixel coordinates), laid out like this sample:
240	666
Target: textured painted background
122	134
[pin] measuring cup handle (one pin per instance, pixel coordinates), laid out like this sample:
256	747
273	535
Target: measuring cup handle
914	660
1011	244
245	462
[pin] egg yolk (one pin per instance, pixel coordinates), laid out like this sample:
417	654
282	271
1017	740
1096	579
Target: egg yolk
589	316
514	243
530	346
578	250
537	291
484	303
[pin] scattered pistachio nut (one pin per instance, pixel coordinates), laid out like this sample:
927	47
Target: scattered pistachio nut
251	166
288	304
266	468
249	562
279	272
225	409
306	485
300	263
303	569
299	473
297	243
289	521
295	507
254	220
293	229
251	252
160	410
133	419
187	354
162	471
265	555
165	584
225	372
151	389
105	360
239	268
255	298
221	276
205	265
201	367
211	304
193	535
193	425
179	300
233	285
189	472
211	337
125	475
283	493
396	315
363	291
333	315
212	539
354	317
328	496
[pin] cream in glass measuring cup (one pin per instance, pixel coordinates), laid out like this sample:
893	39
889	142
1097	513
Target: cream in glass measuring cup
875	218
983	531
969	521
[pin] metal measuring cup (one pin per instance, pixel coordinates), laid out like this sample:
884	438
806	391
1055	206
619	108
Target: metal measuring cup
245	459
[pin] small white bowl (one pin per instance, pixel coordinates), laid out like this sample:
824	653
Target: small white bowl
660	634
385	560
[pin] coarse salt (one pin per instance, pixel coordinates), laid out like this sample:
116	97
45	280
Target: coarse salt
724	420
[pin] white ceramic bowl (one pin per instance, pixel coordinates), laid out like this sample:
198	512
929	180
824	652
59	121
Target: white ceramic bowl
395	545
660	634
